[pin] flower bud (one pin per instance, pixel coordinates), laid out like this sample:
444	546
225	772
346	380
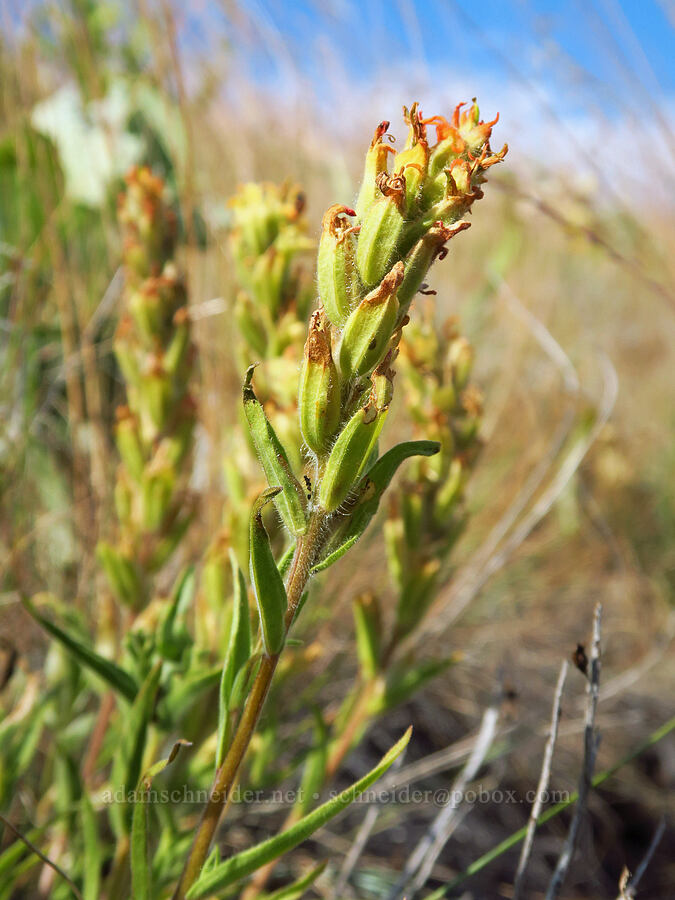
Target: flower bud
413	160
121	573
450	493
129	442
337	275
126	351
376	164
467	425
370	327
156	493
178	351
354	446
460	355
381	228
154	397
319	390
145	307
124	497
250	324
267	279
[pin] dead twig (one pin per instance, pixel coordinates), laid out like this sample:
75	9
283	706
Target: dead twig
542	787
628	885
420	863
591	742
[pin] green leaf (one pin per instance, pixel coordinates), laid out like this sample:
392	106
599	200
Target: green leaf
297	889
10	858
249	861
183	691
115	676
141	869
270	593
172	638
93	853
127	763
369	493
368	626
274	460
237	655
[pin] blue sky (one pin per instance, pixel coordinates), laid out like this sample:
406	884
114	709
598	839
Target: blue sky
609	51
578	84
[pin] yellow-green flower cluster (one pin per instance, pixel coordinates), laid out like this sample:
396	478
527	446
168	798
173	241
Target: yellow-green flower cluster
426	513
372	261
154	429
268	240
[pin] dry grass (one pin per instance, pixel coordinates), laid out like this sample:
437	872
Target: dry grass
595	272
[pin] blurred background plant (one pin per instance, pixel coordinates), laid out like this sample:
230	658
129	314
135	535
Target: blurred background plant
565	268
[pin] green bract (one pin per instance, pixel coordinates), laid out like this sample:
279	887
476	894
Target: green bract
319	388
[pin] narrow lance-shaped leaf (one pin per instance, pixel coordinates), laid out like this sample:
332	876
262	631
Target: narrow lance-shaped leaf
236	656
171	639
249	861
115	676
270	593
93	852
127	764
368	625
141	868
274	460
369	493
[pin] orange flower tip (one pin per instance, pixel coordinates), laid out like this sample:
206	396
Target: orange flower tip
455	115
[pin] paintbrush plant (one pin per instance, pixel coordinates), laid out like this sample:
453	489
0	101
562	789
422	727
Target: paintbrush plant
325	480
372	260
154	429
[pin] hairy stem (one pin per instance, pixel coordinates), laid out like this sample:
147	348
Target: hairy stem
225	778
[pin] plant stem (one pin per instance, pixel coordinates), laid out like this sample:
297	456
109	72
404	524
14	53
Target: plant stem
305	554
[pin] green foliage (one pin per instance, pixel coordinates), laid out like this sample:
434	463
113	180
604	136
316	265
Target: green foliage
243	864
